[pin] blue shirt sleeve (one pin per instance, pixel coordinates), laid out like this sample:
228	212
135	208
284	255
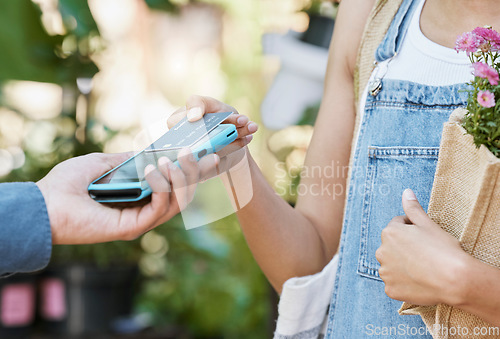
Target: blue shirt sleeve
25	234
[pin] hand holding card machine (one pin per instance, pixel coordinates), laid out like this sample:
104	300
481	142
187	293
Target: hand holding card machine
126	183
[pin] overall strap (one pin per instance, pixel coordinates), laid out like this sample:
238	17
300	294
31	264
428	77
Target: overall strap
391	44
375	31
384	13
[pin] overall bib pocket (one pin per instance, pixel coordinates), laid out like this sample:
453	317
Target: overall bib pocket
390	171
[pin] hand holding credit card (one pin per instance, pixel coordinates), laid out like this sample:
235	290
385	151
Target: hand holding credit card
126	182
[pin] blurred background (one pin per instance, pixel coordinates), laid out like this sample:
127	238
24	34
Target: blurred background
81	76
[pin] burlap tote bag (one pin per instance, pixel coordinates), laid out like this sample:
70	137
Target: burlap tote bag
465	202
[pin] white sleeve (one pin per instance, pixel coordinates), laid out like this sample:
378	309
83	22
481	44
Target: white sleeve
304	302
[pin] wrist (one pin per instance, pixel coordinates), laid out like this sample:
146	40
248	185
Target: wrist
460	275
53	218
237	179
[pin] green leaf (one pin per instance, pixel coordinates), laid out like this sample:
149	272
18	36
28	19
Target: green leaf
28	51
164	5
77	17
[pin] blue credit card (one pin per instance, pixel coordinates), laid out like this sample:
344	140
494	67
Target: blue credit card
186	134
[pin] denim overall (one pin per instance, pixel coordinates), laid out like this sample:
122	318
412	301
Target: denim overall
397	148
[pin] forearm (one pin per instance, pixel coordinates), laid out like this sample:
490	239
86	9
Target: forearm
282	239
288	242
479	290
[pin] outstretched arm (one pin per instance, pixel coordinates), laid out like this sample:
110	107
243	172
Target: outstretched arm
59	210
286	241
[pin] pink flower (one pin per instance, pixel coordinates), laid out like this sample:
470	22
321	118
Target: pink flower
468	42
487	37
485	71
486	99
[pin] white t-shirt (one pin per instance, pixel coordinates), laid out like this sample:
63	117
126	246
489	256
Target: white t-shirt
425	62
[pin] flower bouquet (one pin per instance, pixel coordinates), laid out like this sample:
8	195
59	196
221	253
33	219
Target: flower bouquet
465	198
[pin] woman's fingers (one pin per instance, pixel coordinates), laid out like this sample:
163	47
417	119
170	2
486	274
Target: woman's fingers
177	181
241	120
177	116
247	129
159	209
196	107
208	166
182	180
235	118
235	146
252	127
189	166
156	180
196	112
206	105
196	171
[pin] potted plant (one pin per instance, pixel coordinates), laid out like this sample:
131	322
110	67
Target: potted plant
87	287
17	305
465	198
321	22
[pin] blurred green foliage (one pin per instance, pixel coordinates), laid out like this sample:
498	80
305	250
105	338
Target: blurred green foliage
164	5
33	54
211	285
310	115
30	52
77	17
320	7
103	255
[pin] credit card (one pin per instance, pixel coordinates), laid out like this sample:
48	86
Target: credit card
186	134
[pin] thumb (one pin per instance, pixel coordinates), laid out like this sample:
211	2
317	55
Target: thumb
114	159
95	164
194	110
413	210
197	106
175	117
